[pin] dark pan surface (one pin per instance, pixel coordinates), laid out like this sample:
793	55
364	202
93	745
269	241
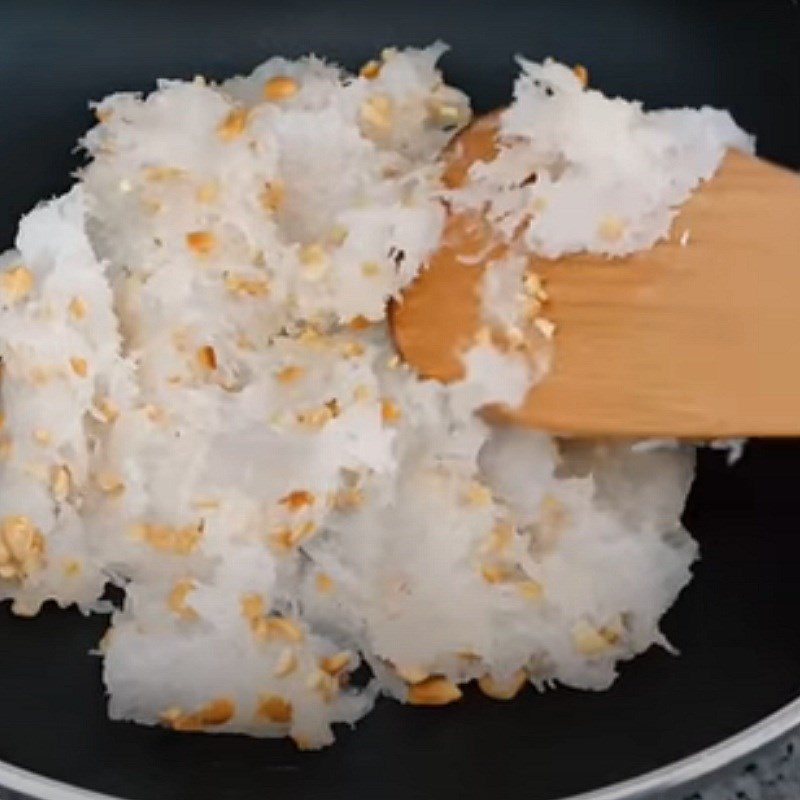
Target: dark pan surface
737	625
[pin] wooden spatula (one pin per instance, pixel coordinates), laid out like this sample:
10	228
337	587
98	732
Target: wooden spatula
695	339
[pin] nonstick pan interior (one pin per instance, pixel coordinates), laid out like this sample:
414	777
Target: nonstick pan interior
737	624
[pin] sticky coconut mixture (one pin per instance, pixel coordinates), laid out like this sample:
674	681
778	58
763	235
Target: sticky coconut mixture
202	403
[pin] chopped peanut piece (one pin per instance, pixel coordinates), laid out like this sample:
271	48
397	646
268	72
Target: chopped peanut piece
274	708
110	483
176	600
42	436
217	712
369	269
247	287
21	548
157	174
16	283
323	583
503	690
588	640
545	326
107	408
277	628
79	366
334	664
207	357
317	417
346	499
60	482
337	234
314	260
233	125
370	70
298	499
180	541
253	606
582	74
500	537
286	537
289	374
207	192
390	411
435	691
201	242
494	573
77	308
281	87
71	567
302	742
359	323
352	349
376	112
611	228
478	494
323	683
272	196
530	589
286	663
447	115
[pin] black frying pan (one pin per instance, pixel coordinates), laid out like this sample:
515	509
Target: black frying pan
737	625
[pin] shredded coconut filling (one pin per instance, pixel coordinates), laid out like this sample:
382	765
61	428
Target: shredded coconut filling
202	403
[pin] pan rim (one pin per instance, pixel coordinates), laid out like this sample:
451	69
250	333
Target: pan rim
679	774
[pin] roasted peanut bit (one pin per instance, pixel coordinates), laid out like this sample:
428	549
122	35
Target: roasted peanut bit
217	712
201	242
376	113
273	708
207	357
334	664
268	628
370	69
286	663
272	195
233	125
16	283
79	366
180	541
323	583
176	600
289	374
505	689
22	548
78	308
281	87
247	287
434	691
300	498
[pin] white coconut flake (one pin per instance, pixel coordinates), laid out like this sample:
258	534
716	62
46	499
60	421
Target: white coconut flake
585	172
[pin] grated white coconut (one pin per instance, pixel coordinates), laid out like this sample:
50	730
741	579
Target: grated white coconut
577	170
202	404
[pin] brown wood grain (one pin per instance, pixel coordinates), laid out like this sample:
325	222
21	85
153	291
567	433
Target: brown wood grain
701	340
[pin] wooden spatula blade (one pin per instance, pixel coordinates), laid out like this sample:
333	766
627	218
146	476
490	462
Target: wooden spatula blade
697	337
